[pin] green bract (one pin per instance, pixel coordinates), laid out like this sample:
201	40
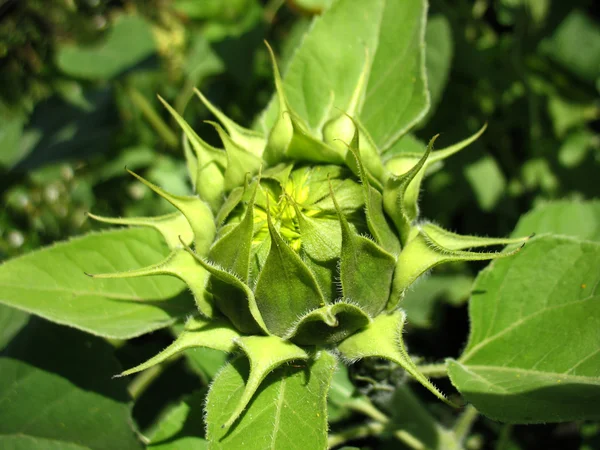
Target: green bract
299	246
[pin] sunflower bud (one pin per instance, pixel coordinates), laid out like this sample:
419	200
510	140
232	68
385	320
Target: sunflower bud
302	240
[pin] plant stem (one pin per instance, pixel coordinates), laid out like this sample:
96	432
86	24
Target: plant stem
463	425
153	117
367	408
409	440
355	432
434	370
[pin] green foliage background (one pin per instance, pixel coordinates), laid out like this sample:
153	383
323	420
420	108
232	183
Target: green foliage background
78	85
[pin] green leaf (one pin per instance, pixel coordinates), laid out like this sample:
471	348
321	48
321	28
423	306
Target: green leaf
382	338
572	218
11	321
321	78
487	180
439	51
288	412
564	46
64	395
181	428
532	354
20	442
286	289
52	284
128	42
397	96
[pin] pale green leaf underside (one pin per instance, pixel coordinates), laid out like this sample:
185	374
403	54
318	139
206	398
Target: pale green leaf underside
397	96
52	284
534	350
288	412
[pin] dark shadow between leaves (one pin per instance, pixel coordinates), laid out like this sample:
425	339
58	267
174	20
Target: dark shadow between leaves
86	361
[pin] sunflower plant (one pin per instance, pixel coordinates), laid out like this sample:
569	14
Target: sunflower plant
298	245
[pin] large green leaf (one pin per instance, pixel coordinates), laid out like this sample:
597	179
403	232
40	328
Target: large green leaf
534	350
440	49
55	383
324	72
573	218
397	95
288	412
128	42
52	283
21	442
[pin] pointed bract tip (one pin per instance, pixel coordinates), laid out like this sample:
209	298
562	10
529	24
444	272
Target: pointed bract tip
91	275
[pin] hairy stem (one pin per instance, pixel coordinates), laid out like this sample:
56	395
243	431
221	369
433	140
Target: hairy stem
463	425
367	408
409	440
153	117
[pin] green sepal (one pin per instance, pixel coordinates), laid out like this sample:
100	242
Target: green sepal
363	154
376	221
304	147
366	270
232	251
191	161
280	173
197	213
179	264
289	138
209	164
247	139
216	333
231	202
174	227
382	338
282	131
453	241
286	288
321	237
401	193
240	161
422	254
328	325
265	354
238	303
403	162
